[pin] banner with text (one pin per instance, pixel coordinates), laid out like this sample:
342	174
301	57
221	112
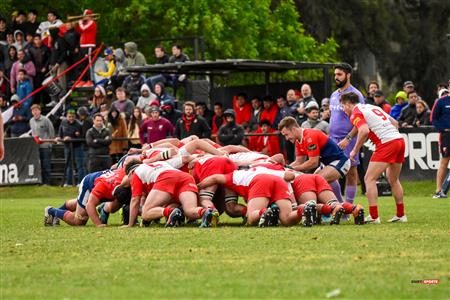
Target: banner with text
421	153
21	163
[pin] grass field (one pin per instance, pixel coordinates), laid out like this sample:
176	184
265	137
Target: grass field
370	262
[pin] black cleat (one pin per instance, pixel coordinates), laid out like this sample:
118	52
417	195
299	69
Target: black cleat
308	214
336	218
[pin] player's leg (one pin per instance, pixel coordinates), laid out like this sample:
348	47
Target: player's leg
206	196
255	208
69	205
171	141
351	184
155	206
189	203
374	170
232	207
393	175
441	174
289	217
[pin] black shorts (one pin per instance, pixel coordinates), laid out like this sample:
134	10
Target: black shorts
444	143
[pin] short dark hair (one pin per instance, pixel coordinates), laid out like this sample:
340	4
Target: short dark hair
347	68
201	103
256	98
160	47
349	97
268	98
22	71
53	12
411	92
33	11
243	95
98	115
265	122
218	104
121	89
178	46
373	82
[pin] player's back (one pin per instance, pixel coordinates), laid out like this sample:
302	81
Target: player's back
382	130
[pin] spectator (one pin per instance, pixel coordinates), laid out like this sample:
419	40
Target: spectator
134	128
408	86
133	84
104	110
22	63
161	93
408	113
256	113
3	29
123	105
29	43
292	102
24	88
42	128
441	120
270	110
170	112
71	40
243	110
442	93
71	129
230	133
86	123
191	124
40	55
203	111
98	139
422	114
155	128
266	144
10	59
371	89
3	103
217	120
313	120
177	57
132	56
283	109
19	39
19	21
98	99
118	128
306	98
31	25
379	100
58	58
400	103
111	60
87	28
43	30
147	98
20	118
161	58
4	86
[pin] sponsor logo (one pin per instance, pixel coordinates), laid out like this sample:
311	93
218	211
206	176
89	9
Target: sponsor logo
9	174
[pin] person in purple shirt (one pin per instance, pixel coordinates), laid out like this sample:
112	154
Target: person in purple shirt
155	127
342	131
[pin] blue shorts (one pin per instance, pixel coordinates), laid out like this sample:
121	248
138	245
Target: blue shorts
86	186
348	149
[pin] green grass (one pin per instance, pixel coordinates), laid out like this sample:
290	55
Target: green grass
370	262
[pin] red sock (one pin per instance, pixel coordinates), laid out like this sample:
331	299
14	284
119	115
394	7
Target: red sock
400	209
201	211
348	207
326	209
263	210
300	211
244	211
373	210
167	211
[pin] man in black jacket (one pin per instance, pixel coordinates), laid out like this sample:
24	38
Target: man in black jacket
408	113
98	139
191	124
40	55
230	133
170	112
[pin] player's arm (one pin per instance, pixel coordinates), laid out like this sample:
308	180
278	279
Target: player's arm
212	180
393	122
363	133
298	161
310	164
134	210
234	148
125	181
288	176
344	143
92	211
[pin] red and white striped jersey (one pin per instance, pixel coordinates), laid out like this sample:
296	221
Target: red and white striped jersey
381	128
247	156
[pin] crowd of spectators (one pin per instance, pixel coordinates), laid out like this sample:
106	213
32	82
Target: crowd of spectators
128	110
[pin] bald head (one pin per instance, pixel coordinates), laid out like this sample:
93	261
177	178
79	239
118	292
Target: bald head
306	90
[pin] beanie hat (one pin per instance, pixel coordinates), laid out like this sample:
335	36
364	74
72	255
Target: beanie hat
101	89
402	95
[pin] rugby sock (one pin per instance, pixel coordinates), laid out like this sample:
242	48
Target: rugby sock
201	211
63	206
56	212
373	210
167	212
350	193
348	207
299	211
326	209
337	190
244	211
261	211
400	209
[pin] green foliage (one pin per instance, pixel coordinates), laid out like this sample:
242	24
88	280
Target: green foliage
228	262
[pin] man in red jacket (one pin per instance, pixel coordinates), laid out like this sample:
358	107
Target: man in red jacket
269	145
87	28
243	110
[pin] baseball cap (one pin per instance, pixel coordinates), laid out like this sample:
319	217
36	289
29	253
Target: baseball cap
442	93
311	105
15	97
325	101
408	82
378	93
